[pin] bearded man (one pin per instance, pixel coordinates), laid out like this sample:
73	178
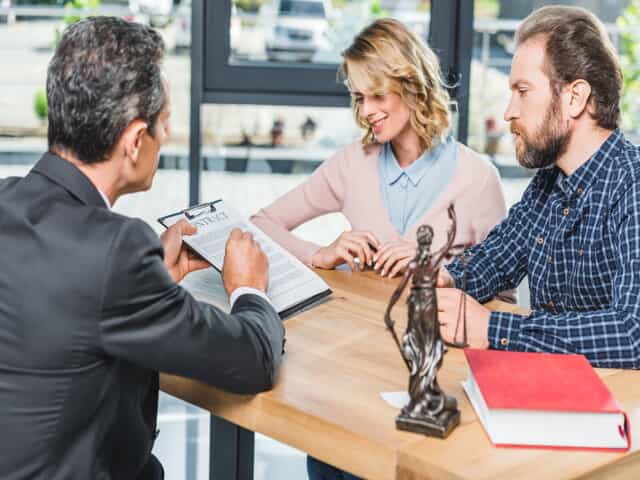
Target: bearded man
576	231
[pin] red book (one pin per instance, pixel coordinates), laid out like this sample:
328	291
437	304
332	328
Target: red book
544	400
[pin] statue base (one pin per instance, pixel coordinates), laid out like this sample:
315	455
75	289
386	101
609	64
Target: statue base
440	426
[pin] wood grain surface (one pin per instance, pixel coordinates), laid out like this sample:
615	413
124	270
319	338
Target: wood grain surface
327	400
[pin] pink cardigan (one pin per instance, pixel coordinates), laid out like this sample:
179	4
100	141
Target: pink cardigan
348	183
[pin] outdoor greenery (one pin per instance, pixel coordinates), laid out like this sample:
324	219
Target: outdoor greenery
90	7
40	105
486	8
629	26
377	10
248	5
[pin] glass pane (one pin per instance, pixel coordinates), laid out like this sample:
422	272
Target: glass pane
303	31
25	50
494	26
253	154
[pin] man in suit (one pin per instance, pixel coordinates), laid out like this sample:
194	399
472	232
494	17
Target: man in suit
90	309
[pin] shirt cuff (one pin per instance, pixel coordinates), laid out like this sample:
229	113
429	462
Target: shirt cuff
244	291
504	330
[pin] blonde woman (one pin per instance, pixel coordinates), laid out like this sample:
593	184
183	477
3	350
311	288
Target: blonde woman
403	173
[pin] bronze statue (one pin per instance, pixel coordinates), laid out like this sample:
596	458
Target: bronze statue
430	410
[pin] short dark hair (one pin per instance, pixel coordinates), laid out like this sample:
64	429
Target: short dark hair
105	73
578	47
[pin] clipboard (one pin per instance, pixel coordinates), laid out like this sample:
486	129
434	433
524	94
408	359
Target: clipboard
191	213
293	286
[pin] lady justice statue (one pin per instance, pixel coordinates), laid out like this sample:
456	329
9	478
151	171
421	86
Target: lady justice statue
430	410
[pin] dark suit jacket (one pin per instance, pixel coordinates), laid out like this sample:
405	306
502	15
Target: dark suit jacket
88	315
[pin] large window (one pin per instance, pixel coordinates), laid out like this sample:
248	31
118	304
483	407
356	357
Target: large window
273	110
286	51
495	24
310	31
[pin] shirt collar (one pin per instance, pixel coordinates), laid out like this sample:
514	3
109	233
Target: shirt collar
414	172
104	197
580	180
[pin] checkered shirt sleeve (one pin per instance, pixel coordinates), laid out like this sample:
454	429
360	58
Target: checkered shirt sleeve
577	239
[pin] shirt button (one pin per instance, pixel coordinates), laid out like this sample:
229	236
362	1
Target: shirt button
579	191
580	252
540	241
565	211
550	259
504	342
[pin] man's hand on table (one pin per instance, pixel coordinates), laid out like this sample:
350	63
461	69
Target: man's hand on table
449	305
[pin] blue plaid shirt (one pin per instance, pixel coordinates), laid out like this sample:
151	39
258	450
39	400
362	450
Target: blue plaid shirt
578	240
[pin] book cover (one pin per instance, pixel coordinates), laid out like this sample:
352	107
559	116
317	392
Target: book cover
544	400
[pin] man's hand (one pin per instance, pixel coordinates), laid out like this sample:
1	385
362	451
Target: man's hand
178	259
449	302
346	248
394	257
444	280
245	264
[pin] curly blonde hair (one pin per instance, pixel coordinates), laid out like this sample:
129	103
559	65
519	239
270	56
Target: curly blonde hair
387	57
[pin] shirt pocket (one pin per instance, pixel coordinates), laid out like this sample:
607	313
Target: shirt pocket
590	283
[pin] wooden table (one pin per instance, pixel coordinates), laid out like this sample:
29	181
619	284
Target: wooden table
327	403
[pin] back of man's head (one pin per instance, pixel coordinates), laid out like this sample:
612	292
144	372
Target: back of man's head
578	47
105	73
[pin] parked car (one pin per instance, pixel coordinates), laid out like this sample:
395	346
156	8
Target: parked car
300	30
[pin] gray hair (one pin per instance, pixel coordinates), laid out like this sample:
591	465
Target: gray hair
105	73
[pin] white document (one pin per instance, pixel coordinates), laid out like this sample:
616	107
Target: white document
292	285
396	399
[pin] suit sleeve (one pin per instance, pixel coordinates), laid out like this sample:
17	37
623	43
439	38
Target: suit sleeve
151	321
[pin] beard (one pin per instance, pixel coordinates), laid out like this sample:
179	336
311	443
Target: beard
549	141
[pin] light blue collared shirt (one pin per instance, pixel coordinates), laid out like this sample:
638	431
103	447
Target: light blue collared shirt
408	193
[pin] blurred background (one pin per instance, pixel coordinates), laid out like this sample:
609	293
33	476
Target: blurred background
254	153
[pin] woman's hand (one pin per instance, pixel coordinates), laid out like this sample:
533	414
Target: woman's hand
445	280
346	248
394	257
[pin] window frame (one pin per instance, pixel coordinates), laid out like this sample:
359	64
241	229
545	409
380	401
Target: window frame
215	80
